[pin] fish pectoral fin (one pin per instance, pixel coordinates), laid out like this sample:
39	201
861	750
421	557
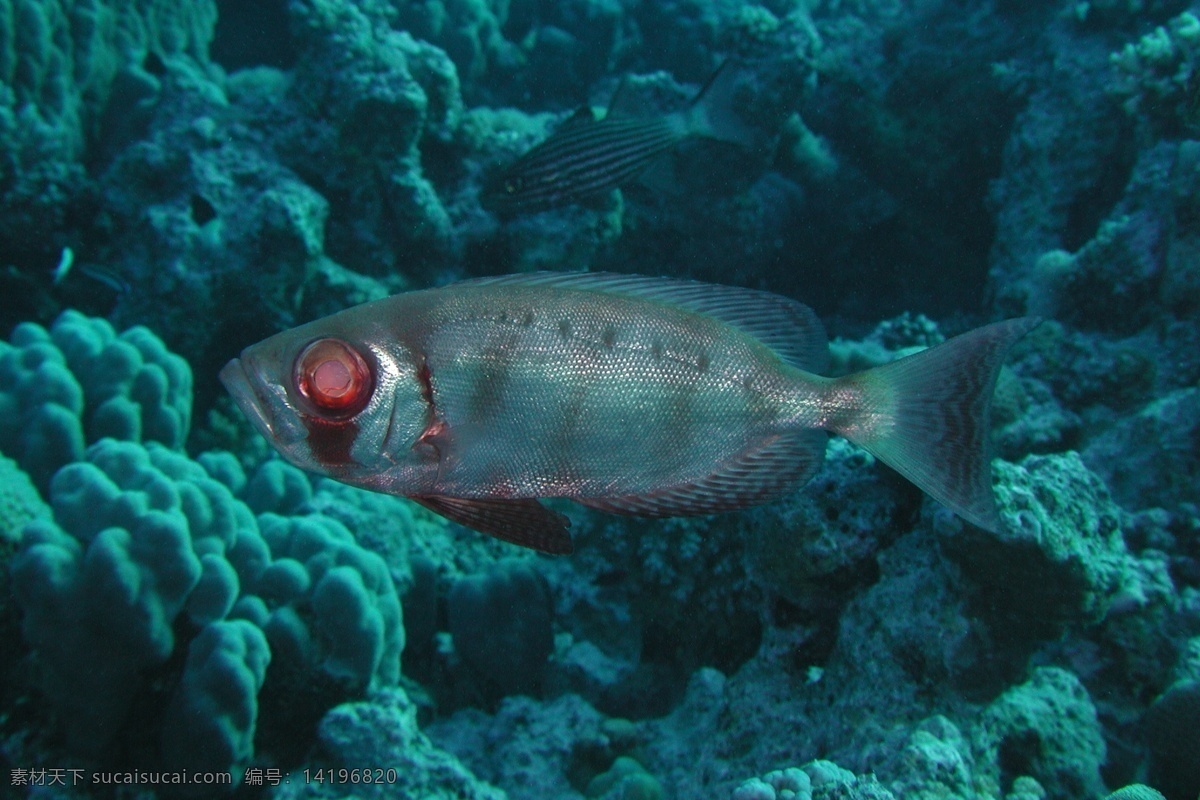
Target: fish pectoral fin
524	522
752	478
662	176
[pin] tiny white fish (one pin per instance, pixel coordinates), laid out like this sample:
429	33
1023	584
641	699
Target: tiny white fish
65	261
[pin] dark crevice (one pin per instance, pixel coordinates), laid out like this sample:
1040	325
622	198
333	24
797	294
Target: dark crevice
252	35
1091	206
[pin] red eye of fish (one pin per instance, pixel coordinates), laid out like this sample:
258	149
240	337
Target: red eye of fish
334	377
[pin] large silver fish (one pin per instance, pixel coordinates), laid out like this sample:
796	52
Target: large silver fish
629	394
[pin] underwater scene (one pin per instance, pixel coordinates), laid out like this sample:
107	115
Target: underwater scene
623	399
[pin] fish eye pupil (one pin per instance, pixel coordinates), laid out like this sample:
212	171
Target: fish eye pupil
334	378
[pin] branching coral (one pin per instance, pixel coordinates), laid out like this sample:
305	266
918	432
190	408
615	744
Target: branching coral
1159	75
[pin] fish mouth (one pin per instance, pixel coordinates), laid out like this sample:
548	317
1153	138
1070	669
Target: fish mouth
264	404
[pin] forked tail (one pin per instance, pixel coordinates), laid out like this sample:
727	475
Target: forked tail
927	416
714	111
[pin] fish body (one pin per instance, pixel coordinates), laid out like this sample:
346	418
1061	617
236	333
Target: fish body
629	394
588	155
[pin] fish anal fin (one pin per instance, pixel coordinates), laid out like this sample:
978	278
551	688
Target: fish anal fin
662	176
753	478
524	522
787	326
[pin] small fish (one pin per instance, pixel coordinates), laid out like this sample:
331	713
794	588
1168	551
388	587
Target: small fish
65	261
66	270
586	156
634	395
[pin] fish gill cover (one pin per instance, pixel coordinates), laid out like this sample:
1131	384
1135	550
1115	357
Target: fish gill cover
179	180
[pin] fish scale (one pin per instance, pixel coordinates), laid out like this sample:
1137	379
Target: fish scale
603	382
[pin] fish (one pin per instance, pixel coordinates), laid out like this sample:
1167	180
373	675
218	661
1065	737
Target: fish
629	394
65	261
589	155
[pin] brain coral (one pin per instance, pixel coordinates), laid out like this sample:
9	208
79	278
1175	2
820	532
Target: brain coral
169	583
80	381
20	503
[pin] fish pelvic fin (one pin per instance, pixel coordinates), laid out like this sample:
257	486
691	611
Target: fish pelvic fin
713	112
927	416
522	521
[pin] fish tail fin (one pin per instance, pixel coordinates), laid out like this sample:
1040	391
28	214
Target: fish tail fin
927	416
713	113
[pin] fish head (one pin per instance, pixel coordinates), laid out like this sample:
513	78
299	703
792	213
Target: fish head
337	404
509	191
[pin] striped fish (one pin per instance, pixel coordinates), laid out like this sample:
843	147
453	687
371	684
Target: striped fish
587	156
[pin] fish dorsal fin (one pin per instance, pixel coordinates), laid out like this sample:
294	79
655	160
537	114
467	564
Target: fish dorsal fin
525	522
787	326
628	104
616	103
747	480
584	115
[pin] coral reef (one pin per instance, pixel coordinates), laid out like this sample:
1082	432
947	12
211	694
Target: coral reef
1060	556
79	382
76	78
528	747
148	557
1159	77
501	626
20	503
1174	765
1047	728
381	739
206	173
211	721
